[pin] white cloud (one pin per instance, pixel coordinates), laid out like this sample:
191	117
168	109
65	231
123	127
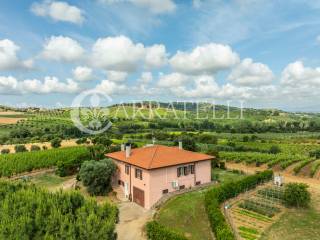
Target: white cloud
117	53
154	6
82	74
8	85
297	75
204	86
111	88
173	80
248	73
116	76
196	3
121	54
58	11
204	59
8	56
156	56
49	85
61	48
146	78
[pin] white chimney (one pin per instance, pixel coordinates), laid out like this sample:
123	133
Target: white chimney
180	145
128	151
122	147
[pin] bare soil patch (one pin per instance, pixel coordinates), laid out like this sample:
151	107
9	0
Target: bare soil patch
306	170
3	113
9	120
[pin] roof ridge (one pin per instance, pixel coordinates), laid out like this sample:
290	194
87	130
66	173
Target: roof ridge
153	155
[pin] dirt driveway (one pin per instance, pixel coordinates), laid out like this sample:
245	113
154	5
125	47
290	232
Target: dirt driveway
132	219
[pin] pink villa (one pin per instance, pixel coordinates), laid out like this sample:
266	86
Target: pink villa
146	174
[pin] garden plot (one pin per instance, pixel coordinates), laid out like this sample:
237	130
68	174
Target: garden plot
252	213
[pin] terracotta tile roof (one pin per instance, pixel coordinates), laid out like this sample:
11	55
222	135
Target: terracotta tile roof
159	156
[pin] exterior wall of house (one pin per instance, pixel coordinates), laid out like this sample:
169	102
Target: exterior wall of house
142	184
155	181
162	178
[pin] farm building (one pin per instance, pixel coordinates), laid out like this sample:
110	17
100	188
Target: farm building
146	174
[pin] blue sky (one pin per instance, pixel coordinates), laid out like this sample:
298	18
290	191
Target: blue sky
265	53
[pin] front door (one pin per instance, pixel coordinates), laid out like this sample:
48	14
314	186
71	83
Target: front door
138	196
126	190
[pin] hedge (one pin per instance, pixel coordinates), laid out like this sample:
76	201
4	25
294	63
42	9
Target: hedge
156	231
217	195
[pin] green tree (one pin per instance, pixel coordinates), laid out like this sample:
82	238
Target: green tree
56	143
102	140
97	152
35	148
20	148
5	151
274	149
297	195
188	143
96	176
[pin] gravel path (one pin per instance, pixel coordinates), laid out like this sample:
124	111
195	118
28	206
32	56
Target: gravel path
132	219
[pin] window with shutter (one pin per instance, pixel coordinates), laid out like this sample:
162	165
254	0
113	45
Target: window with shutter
138	173
178	172
127	168
185	170
192	169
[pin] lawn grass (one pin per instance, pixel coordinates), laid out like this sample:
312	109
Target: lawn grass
48	180
300	224
186	214
224	175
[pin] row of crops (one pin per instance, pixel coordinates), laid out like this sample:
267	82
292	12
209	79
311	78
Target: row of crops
284	160
11	164
27	212
256	152
253	214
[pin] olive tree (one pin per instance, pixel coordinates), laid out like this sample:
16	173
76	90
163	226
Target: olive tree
96	176
56	143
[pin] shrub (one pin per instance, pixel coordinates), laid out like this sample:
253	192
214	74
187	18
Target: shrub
156	231
315	153
96	176
274	149
56	143
20	148
101	140
5	151
35	148
81	140
71	166
296	195
222	165
245	139
187	143
207	138
217	195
